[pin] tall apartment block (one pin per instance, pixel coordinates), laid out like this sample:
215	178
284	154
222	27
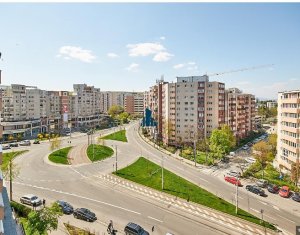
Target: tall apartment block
288	130
192	107
240	112
1	176
134	103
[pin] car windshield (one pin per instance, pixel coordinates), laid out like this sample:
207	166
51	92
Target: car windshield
34	198
283	190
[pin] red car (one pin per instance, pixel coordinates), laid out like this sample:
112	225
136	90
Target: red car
284	191
233	180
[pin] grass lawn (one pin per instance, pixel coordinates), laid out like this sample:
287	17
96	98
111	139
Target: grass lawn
200	158
119	135
60	156
10	155
77	231
100	152
148	173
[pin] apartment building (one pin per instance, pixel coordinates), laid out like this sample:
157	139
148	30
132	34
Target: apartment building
134	103
240	112
110	98
1	176
271	104
28	110
288	129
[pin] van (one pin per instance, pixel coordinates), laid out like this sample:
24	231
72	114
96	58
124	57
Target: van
232	154
134	229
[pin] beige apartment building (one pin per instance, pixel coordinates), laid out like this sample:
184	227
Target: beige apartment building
134	103
288	129
110	98
192	107
1	176
240	112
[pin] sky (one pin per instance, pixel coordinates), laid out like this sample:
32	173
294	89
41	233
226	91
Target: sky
127	46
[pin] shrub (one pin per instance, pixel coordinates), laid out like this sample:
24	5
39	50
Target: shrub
21	210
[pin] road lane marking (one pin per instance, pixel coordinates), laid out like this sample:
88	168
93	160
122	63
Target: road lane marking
75	195
254	210
155	219
276	208
287	219
204	180
78	172
263	203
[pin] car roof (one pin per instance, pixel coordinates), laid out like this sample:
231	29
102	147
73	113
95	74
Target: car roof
29	195
285	187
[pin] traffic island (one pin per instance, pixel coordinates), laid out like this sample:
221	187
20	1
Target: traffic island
119	136
97	152
60	156
149	174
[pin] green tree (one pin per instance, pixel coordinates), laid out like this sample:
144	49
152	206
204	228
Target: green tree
55	143
262	153
123	117
203	146
221	142
115	110
295	173
44	220
272	142
273	112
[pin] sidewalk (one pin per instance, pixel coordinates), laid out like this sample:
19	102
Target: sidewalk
78	155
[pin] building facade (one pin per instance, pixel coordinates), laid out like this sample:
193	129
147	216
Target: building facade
288	129
192	107
134	103
240	112
271	104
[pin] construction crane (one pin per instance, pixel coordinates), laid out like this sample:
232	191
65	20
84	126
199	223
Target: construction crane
241	70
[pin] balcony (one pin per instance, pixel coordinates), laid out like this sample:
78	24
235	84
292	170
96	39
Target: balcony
291	100
290	119
290	148
290	129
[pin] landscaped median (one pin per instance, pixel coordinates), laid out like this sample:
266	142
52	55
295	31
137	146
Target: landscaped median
97	152
149	174
10	156
119	136
60	156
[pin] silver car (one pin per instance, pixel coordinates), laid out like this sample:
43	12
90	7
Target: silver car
31	200
25	143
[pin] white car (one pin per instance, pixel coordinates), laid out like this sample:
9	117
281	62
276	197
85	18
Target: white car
25	143
234	173
250	159
30	199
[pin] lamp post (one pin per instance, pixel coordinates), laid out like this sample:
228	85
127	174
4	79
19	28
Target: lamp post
262	218
162	173
116	159
237	196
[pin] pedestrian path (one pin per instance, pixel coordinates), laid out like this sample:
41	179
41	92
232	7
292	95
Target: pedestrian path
77	155
231	222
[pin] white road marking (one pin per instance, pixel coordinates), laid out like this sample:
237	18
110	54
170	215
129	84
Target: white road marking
286	219
78	172
90	199
255	210
155	219
204	180
263	203
270	217
276	208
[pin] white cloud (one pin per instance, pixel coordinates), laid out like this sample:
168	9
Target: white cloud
178	66
192	67
191	63
71	52
146	49
243	83
112	55
162	56
133	67
162	38
294	79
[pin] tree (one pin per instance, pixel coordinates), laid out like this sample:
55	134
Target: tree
272	142
262	153
10	171
295	173
55	143
221	142
203	146
123	117
46	219
115	110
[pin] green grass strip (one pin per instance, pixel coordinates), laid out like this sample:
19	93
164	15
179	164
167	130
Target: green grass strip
149	174
119	136
60	156
100	152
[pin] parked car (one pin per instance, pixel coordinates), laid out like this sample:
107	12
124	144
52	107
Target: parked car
233	180
234	173
5	147
36	142
262	183
84	214
245	147
66	207
296	197
134	229
284	191
25	143
15	144
273	188
255	189
31	200
250	159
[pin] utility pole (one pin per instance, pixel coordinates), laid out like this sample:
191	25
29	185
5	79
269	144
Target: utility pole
116	158
162	173
10	179
237	196
195	153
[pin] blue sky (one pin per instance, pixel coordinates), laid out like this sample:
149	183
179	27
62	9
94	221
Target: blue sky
127	46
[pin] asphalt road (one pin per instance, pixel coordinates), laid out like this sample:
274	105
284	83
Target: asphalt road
79	186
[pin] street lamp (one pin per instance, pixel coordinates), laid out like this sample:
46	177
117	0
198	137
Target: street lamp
262	218
237	195
162	172
116	163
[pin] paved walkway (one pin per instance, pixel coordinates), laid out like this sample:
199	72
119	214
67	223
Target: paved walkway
77	155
